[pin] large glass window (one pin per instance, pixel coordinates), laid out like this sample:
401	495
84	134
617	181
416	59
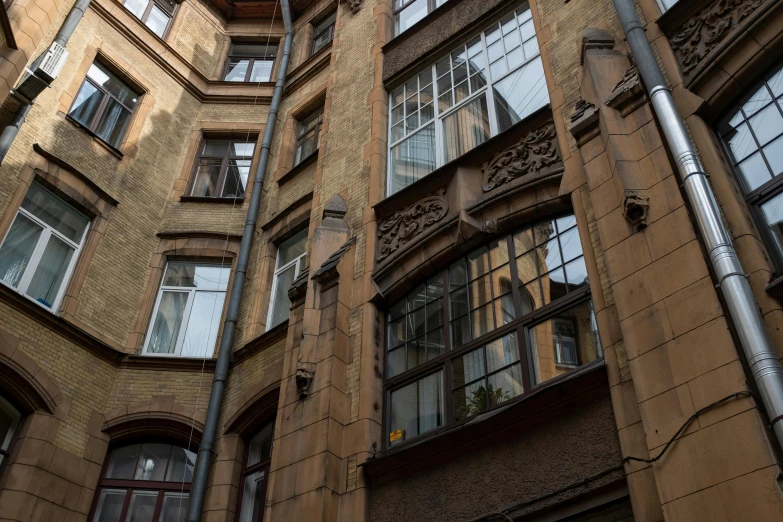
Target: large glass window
9	422
250	63
477	91
494	325
408	12
186	318
222	168
324	33
104	105
147	482
289	264
308	135
752	133
156	14
40	249
255	475
666	4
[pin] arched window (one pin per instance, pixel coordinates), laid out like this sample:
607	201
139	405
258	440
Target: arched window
145	482
9	422
255	475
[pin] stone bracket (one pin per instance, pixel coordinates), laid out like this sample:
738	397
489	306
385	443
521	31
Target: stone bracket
584	122
636	204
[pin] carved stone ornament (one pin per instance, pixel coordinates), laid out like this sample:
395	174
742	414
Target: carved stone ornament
354	5
628	94
708	28
533	152
635	207
303	378
584	122
398	229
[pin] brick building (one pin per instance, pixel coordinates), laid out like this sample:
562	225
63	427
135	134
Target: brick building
478	287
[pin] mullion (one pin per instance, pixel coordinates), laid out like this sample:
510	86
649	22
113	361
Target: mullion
158	502
755	140
146	12
101	106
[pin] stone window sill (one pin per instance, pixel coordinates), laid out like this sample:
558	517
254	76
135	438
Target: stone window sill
202	199
299	167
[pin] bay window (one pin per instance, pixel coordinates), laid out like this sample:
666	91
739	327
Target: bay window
496	324
289	264
186	317
40	249
477	91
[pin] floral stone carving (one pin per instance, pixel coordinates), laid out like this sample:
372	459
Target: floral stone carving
707	28
398	229
533	152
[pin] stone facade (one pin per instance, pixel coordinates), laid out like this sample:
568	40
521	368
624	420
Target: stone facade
581	437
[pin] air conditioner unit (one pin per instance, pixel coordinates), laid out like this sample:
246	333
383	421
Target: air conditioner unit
42	72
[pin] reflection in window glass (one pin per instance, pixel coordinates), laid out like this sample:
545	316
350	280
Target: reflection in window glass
290	260
222	168
417	407
250	63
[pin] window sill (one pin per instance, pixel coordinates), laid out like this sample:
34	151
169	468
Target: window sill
448	442
299	167
114	151
202	199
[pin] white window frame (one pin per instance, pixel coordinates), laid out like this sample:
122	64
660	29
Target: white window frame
185	315
439	117
40	246
279	270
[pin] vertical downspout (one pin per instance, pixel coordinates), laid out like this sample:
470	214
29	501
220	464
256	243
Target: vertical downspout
764	365
199	484
63	35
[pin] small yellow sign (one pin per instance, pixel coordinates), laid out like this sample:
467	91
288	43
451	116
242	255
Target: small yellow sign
395	435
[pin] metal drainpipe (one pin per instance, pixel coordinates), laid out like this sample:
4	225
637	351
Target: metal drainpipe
199	484
63	35
743	310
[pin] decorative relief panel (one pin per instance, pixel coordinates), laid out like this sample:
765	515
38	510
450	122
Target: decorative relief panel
404	225
707	28
533	152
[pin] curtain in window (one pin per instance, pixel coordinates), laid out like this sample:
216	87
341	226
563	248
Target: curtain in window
466	128
17	249
50	272
168	322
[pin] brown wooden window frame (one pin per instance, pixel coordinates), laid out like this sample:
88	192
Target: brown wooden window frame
304	133
329	29
252	60
519	326
252	137
247	471
161	5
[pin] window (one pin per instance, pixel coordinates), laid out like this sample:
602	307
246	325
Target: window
408	12
156	14
222	168
324	32
145	482
752	133
290	257
477	91
665	5
307	136
186	318
497	323
255	475
250	63
104	105
9	421
40	249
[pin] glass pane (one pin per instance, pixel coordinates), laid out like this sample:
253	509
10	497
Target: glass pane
112	124
754	172
502	352
281	304
553	285
50	272
203	324
549	256
236	178
260	446
413	159
417	298
292	249
219	148
237	70
531	297
435	343
482	320
109	507
772	211
123	462
321	40
417	352
504	310
17	248
416	323
501	281
774	154
435	288
470	400
9	419
254	50
480	292
466	128
565	223
434	315
478	263
504	385
576	272
396	332
520	94
469	367
526	267
153	460
142	506
459	302
174	508
460	331
417	407
168	321
201	277
207	177
564	342
86	104
181	465
158	20
262	71
137	7
758	101
544	231
307	145
55	212
252	497
109	81
414	12
742	143
458	274
767	124
396	364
